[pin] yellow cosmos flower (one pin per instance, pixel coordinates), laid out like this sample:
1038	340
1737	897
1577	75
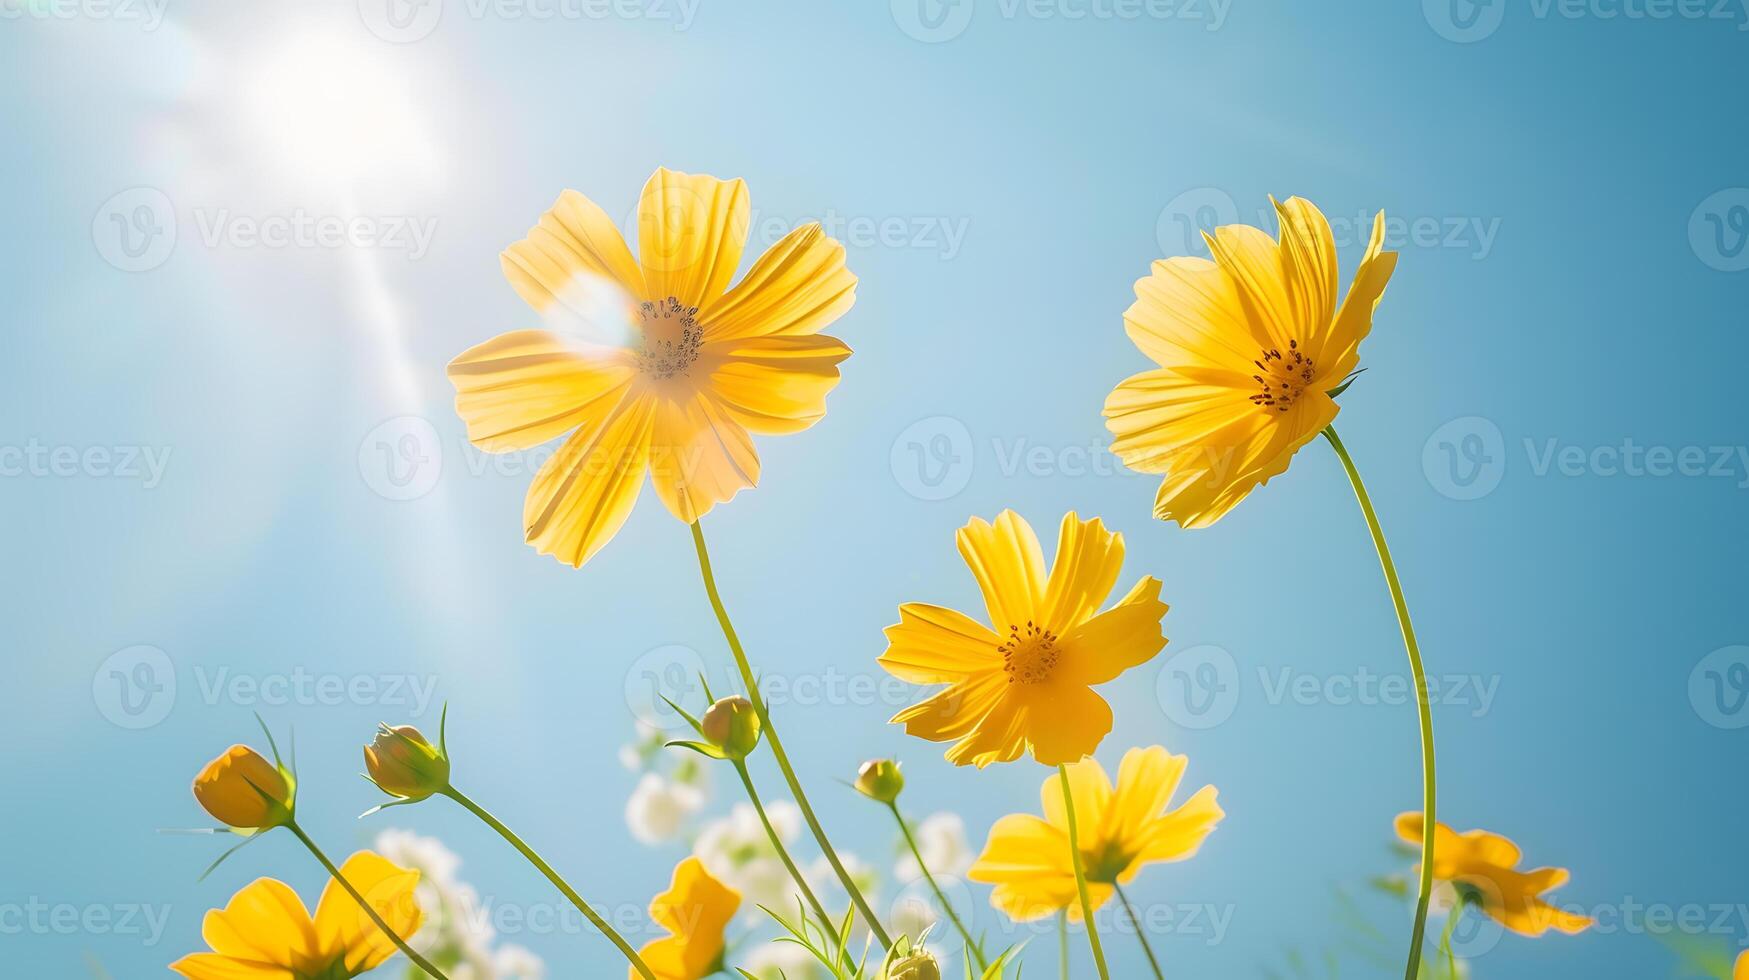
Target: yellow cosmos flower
1741	970
1027	684
701	368
1249	347
245	792
1485	866
1121	830
265	933
695	910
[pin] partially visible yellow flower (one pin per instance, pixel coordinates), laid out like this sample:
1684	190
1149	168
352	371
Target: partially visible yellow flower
1027	684
1121	830
703	367
1249	347
1485	865
695	910
402	762
265	933
245	792
1741	971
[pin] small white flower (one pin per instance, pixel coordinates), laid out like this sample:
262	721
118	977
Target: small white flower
658	808
941	838
785	961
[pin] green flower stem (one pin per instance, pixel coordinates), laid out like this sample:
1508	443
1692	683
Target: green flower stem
783	763
625	948
782	852
1445	940
971	944
1422	704
1141	933
419	961
1063	942
1080	876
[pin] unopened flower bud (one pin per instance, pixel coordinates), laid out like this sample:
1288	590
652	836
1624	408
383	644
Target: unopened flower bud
918	964
732	725
880	780
404	763
244	791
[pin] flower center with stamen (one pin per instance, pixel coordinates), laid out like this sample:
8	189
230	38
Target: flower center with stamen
1282	378
1104	861
671	338
1029	655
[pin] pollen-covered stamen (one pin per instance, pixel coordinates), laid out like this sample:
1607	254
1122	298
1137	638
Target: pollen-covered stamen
1282	378
672	338
1029	656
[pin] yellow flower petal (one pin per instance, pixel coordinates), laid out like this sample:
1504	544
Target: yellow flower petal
955	711
343	931
1066	723
1253	260
1354	320
1180	833
213	966
1000	735
1308	260
527	387
264	922
1083	572
933	645
691	229
776	385
1487	863
696	909
574	241
583	494
1124	636
1010	568
699	457
798	287
1027	860
1188	311
1093	791
1741	970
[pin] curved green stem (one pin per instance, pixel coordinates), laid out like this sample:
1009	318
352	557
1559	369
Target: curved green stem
789	774
1080	875
333	872
1063	942
917	853
625	948
1141	934
783	853
1422	703
1445	940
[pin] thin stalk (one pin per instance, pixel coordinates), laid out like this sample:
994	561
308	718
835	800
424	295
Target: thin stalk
1445	940
625	948
1422	703
1063	942
966	934
1080	876
419	961
1141	933
782	852
789	773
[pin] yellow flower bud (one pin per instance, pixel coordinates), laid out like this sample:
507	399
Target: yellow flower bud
403	763
918	964
880	780
733	726
244	791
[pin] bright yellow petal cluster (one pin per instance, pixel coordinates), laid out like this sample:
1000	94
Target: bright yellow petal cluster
1249	346
703	367
1487	864
1121	830
695	910
265	933
245	792
1027	683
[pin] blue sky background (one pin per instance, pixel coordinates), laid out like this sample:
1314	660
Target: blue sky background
1574	282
